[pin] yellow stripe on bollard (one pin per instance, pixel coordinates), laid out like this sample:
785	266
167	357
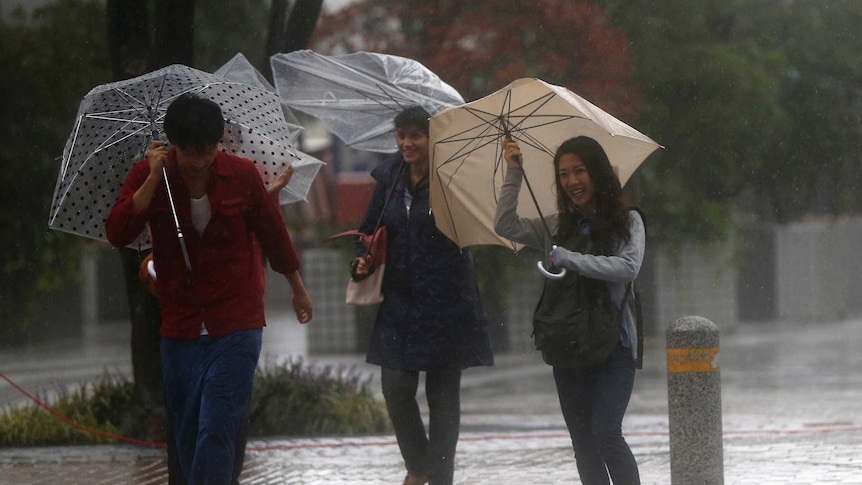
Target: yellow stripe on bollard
692	360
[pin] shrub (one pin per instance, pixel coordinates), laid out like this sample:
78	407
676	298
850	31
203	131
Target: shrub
93	406
289	399
293	399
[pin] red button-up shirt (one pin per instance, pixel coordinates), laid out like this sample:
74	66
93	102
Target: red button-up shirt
226	289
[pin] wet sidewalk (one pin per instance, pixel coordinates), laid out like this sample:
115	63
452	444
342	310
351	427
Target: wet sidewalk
814	455
790	395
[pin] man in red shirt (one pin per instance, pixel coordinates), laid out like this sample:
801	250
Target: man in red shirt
212	307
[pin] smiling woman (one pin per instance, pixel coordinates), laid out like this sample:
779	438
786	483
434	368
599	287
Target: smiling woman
431	319
583	323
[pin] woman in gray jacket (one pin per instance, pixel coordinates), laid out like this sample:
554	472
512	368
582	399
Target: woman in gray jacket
593	399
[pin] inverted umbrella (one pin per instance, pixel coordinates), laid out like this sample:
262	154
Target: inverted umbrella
239	69
116	123
357	95
467	166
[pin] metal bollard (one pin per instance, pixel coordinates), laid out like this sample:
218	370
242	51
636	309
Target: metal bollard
694	403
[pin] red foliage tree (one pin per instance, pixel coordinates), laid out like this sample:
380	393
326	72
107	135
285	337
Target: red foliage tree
480	46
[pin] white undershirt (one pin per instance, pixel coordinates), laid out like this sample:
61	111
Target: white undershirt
201	213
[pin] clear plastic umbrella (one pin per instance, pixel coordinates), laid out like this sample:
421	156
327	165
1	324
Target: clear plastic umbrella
116	123
357	95
241	70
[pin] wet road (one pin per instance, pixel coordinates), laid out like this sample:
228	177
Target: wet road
790	395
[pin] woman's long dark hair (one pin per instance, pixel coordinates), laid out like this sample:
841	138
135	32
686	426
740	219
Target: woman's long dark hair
610	224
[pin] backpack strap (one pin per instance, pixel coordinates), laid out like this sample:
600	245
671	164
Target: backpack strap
639	319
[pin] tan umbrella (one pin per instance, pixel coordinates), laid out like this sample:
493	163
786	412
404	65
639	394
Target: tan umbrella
467	166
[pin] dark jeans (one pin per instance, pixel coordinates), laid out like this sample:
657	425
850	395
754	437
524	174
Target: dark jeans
594	401
431	455
207	393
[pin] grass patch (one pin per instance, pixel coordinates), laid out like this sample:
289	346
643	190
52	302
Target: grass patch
289	399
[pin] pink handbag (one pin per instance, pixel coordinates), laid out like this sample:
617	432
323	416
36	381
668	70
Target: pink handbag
369	289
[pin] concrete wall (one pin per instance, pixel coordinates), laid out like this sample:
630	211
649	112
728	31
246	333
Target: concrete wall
818	269
527	287
334	328
694	280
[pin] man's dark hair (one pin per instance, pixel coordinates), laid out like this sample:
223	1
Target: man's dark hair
413	117
194	123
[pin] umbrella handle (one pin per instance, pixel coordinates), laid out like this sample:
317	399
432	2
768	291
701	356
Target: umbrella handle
548	274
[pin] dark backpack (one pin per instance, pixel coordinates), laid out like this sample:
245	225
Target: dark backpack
575	323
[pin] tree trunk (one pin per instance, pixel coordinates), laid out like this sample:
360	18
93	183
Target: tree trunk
128	38
293	34
174	39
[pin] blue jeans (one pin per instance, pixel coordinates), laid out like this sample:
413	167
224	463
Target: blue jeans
207	393
594	401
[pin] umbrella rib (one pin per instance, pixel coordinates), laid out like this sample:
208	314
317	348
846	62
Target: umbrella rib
101	147
452	159
507	133
389	96
143	107
465	151
74	139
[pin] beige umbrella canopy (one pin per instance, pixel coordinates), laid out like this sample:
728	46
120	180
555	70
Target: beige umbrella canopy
467	166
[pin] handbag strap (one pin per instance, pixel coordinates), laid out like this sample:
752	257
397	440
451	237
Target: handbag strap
385	203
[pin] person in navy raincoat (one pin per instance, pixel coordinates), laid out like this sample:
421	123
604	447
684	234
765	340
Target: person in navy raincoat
431	319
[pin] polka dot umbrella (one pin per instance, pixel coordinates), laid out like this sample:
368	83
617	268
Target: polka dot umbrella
116	123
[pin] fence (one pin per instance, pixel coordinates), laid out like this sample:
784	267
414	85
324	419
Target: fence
804	271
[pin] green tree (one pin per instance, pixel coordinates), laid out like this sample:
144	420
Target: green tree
50	64
815	169
712	98
757	103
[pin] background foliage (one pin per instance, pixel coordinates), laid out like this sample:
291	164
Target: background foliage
51	63
758	102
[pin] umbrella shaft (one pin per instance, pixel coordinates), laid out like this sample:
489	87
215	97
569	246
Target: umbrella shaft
538	209
177	224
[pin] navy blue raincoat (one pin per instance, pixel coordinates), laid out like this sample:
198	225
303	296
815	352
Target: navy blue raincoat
431	317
